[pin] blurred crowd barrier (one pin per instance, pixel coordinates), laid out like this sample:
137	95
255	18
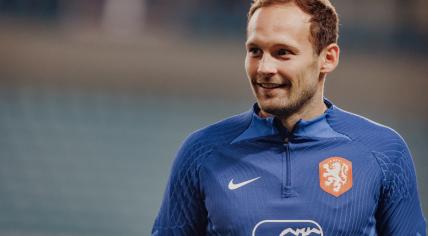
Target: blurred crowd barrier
365	23
96	97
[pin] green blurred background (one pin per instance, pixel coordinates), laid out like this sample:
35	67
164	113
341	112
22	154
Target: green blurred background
97	96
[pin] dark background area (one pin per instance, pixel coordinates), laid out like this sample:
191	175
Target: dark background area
97	96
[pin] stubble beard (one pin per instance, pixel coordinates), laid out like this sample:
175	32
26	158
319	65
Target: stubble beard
290	105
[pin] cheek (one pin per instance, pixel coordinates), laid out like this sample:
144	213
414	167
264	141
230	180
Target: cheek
250	67
300	72
290	71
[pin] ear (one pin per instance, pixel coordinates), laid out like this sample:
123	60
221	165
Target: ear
329	58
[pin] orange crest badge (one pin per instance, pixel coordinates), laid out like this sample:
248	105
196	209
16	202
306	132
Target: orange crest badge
335	175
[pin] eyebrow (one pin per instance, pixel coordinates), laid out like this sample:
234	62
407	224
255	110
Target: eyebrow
277	45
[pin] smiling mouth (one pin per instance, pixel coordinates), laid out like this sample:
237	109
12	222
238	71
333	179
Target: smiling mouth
271	85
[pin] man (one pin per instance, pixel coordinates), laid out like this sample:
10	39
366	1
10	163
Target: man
295	164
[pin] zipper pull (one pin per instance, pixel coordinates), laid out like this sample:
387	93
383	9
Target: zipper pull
286	140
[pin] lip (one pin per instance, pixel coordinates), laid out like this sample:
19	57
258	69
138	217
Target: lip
271	85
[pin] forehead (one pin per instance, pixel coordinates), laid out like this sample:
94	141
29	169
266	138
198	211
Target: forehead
285	23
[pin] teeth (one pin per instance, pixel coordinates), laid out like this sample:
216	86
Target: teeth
270	85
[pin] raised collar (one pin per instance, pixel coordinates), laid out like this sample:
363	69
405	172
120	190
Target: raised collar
315	128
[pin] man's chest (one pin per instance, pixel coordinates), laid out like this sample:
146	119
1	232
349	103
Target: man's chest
291	189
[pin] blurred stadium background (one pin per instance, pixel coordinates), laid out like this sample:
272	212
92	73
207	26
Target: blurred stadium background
96	97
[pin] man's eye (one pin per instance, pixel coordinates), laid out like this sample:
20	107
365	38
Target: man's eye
254	51
283	52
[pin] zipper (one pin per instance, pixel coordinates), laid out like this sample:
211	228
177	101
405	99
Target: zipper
287	163
287	188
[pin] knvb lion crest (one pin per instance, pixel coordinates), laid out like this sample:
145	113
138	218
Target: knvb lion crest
335	175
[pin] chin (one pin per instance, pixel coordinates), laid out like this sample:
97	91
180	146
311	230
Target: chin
284	106
276	108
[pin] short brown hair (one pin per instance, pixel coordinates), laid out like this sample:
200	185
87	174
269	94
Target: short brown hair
324	20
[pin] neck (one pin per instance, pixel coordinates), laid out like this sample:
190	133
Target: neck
313	108
308	112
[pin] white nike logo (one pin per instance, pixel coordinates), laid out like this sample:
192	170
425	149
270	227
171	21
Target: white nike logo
233	186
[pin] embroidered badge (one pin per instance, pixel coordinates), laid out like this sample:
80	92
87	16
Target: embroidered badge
335	175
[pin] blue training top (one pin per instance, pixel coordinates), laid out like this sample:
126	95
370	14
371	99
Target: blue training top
338	174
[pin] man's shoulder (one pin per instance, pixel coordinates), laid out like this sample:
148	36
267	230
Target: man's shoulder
365	130
221	132
201	143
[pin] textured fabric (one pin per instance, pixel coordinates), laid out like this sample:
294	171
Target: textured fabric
338	174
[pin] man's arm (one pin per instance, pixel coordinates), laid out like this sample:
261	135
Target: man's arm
183	211
399	212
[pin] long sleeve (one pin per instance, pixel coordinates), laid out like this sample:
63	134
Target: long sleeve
183	211
399	212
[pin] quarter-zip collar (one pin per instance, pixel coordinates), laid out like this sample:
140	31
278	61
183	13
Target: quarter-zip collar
316	128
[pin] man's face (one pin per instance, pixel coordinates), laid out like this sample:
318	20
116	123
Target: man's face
281	64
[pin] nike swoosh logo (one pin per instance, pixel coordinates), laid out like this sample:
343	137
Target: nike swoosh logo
233	186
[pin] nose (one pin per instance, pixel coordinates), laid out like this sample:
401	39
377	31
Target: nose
267	66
